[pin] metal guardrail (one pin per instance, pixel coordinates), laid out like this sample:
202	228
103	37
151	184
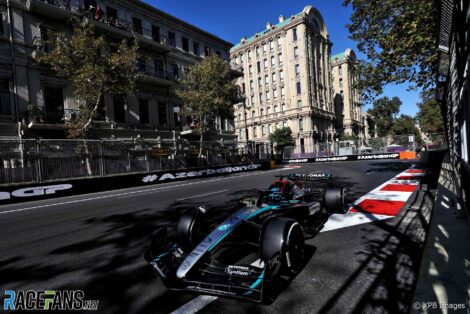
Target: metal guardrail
23	161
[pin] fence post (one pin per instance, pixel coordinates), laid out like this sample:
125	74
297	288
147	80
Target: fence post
101	158
147	164
38	160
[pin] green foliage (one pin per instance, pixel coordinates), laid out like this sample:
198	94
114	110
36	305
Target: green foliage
347	137
430	113
95	67
208	90
384	112
282	137
406	125
399	39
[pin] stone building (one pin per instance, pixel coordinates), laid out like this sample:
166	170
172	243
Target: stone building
287	83
168	46
347	99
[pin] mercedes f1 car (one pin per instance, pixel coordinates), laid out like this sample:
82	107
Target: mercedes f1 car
268	229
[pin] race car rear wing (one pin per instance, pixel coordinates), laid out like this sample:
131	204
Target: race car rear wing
307	176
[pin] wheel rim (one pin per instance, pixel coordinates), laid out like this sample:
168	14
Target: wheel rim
295	248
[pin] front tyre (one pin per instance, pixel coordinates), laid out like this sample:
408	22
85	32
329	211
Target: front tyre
282	243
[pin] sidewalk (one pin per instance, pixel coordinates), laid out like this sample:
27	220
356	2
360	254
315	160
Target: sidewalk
444	280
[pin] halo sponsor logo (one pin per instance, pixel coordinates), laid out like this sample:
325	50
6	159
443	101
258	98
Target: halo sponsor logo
52	300
201	173
35	191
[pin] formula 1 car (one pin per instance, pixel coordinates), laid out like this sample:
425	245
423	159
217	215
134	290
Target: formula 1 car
269	228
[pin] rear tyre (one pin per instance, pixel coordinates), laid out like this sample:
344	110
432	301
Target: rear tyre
335	200
282	246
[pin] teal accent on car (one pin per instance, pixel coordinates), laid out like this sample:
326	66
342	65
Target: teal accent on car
255	284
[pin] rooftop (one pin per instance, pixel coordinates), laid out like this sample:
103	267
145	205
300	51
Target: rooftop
264	32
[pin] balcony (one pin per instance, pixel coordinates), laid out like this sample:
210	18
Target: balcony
57	9
121	28
159	76
47	118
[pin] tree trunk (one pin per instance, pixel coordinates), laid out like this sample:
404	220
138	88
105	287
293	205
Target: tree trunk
201	137
84	130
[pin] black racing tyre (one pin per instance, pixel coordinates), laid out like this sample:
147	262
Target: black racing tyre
187	228
283	239
335	200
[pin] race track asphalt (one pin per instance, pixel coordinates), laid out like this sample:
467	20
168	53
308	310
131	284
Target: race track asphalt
95	243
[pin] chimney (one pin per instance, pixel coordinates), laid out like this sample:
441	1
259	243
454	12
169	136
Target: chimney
269	25
281	18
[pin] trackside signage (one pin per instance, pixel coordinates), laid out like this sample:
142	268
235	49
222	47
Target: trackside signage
201	173
28	192
343	158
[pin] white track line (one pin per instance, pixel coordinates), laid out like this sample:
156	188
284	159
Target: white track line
201	195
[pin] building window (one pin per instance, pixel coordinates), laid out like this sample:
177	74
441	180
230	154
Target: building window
254	132
273	63
280	59
266	79
268	110
283	92
294	34
296	52
156	33
253	114
112	14
249	54
281	75
258	66
251	85
261	98
240	134
340	83
259	83
196	48
274	77
270	128
119	109
185	42
252	100
268	96
175	71
263	130
275	94
261	111
279	42
284	107
339	70
144	111
284	124
301	125
299	103
5	104
276	108
218	53
265	48
172	39
257	50
271	45
137	25
265	63
297	70
250	69
299	88
162	119
207	51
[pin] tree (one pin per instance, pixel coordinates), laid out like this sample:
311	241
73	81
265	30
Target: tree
406	125
430	113
282	137
208	90
399	39
384	113
95	67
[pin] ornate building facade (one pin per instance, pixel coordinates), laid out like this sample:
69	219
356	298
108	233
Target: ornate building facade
287	82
